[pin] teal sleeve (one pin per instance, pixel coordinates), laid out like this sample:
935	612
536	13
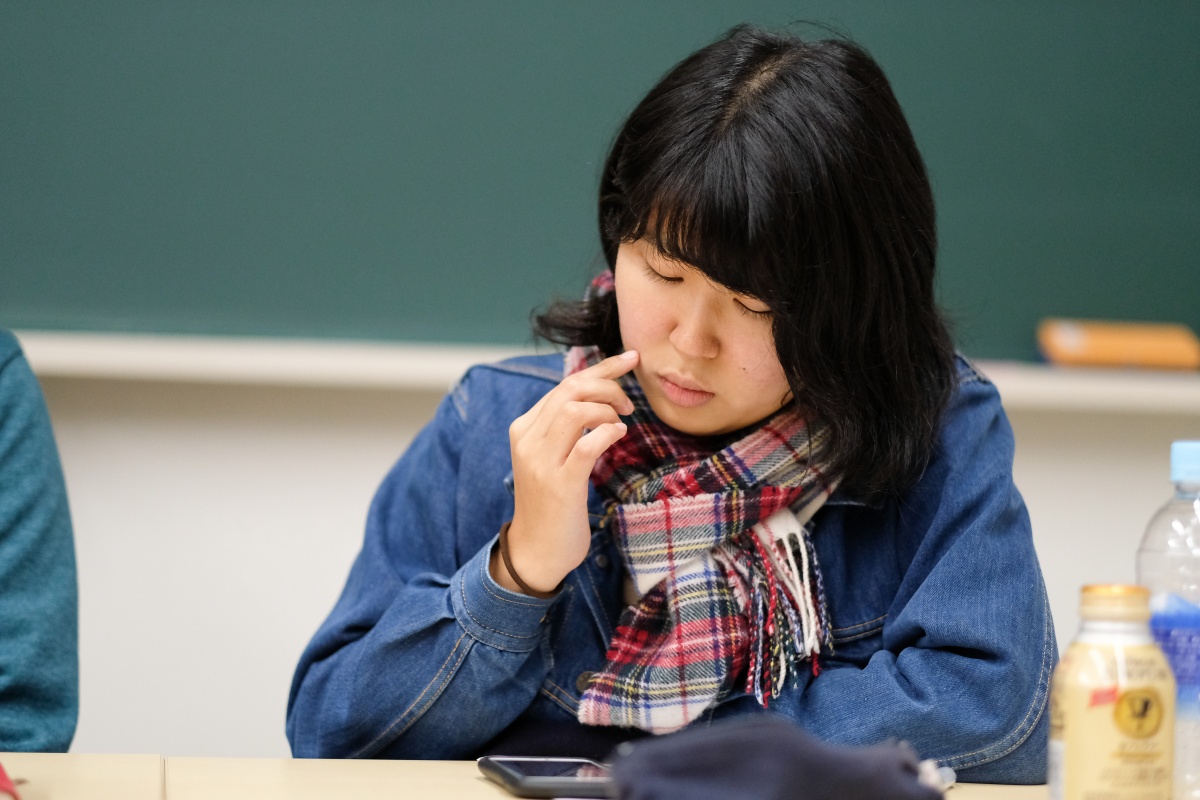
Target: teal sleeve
39	607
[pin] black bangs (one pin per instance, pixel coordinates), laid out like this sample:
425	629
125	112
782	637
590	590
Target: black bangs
711	211
717	168
705	227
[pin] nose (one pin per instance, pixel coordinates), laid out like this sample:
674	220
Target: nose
695	332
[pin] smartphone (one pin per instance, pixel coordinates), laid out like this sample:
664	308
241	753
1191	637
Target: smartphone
531	776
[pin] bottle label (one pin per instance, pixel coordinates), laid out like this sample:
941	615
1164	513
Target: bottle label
1178	634
1112	724
1181	646
1175	625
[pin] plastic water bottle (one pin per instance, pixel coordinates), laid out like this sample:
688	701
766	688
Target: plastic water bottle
1169	566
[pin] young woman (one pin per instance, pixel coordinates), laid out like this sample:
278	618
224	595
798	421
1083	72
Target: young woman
758	478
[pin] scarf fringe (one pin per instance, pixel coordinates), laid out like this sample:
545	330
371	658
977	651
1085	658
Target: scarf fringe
780	584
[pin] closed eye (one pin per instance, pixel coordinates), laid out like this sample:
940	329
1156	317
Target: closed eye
655	275
745	309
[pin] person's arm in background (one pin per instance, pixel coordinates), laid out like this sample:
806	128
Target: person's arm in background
39	607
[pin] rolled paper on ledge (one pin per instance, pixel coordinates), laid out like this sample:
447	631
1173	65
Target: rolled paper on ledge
1094	343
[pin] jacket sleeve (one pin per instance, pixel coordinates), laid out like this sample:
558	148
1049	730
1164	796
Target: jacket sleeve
968	643
39	609
424	655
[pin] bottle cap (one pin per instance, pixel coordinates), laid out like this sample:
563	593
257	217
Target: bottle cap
1185	462
1115	602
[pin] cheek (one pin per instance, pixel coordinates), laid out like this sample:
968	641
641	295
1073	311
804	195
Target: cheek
626	314
638	320
763	374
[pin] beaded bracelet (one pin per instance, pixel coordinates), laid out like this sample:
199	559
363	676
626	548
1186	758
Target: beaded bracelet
513	573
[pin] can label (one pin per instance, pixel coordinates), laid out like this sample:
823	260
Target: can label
1112	724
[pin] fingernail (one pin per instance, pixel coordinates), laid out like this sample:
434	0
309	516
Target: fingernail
629	355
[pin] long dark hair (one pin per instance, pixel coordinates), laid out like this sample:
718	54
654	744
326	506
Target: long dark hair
784	169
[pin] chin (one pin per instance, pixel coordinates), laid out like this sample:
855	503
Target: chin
687	423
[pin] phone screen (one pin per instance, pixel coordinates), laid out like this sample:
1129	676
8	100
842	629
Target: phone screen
554	767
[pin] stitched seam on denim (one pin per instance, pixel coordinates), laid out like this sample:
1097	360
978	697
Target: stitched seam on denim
467	611
847	501
878	619
460	398
857	636
492	592
371	746
605	628
1038	705
567	700
552	698
561	690
487	588
975	374
566	614
551	375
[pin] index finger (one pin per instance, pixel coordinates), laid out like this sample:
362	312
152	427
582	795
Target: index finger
613	366
610	368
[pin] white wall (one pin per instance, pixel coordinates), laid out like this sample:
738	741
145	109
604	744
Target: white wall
215	526
1091	481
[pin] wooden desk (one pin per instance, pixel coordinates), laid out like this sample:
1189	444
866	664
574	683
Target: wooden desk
70	776
52	776
319	779
280	779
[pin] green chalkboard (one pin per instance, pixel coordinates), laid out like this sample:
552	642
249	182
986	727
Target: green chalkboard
425	171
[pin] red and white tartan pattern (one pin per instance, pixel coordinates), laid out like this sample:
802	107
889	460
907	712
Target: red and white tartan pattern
720	593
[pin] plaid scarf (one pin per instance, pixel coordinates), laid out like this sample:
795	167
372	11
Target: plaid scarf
712	534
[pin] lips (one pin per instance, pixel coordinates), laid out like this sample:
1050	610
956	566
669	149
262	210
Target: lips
683	392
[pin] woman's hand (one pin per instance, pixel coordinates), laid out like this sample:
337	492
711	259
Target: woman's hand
554	447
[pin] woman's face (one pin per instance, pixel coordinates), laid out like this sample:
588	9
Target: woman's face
708	363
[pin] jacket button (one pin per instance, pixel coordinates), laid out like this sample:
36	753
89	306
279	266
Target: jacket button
581	683
601	561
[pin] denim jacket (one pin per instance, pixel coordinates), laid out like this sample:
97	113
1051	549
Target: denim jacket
941	625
